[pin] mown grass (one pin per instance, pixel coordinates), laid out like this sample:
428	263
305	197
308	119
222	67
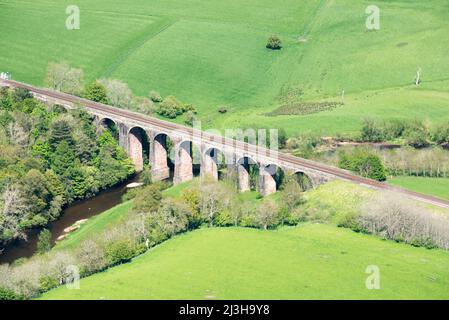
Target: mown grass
213	53
310	261
438	187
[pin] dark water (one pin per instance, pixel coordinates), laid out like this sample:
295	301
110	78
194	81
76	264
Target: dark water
77	211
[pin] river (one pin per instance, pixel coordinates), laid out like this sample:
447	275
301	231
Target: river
79	210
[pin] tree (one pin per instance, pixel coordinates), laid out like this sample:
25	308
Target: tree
118	93
364	163
174	216
213	198
190	118
61	130
61	77
148	199
191	197
44	241
291	198
91	257
96	92
371	131
274	43
21	94
155	96
267	214
170	108
14	208
63	158
37	197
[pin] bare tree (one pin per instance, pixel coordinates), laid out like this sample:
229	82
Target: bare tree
118	92
268	214
91	256
61	77
14	207
393	217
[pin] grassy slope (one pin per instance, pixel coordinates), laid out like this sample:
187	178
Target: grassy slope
309	261
116	215
212	52
438	187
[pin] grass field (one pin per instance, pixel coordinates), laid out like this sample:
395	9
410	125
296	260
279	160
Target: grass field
438	187
305	262
212	53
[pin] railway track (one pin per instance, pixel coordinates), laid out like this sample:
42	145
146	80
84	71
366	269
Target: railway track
241	146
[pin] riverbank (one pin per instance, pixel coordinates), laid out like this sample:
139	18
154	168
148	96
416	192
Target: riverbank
77	211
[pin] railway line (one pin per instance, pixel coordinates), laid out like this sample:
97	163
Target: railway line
241	146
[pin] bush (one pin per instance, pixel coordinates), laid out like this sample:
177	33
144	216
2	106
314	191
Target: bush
170	108
155	96
190	118
274	43
222	109
120	251
363	163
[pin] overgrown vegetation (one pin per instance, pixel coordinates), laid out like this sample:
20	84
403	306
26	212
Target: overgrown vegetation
417	133
50	157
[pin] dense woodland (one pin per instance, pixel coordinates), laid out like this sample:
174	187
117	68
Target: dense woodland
50	157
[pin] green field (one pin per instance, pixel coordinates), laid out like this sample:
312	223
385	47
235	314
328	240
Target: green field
438	187
213	53
310	261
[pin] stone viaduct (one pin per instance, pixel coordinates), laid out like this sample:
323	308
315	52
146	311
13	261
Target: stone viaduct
171	146
178	149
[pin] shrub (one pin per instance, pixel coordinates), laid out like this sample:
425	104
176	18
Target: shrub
170	108
393	217
190	118
222	109
155	96
364	163
274	43
120	251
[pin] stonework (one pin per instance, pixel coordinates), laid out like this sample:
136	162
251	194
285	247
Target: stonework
132	144
267	183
